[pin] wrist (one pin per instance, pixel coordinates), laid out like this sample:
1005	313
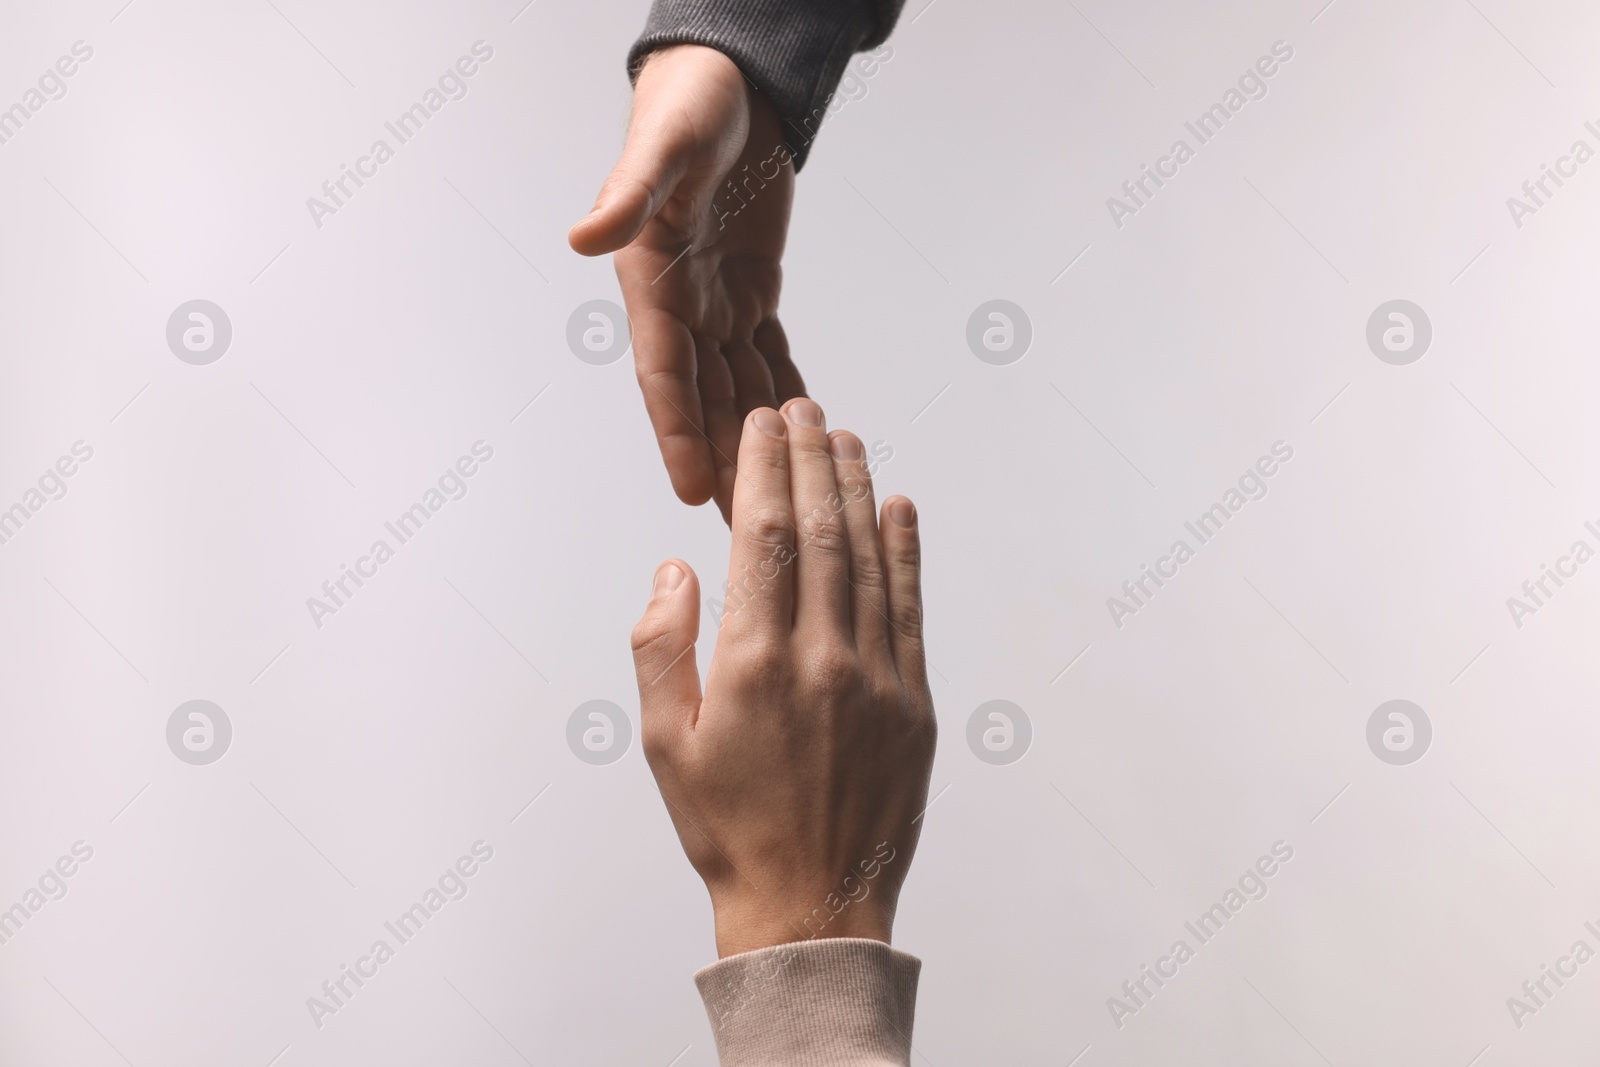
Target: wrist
707	57
745	927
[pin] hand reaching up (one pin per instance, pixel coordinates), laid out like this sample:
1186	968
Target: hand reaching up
794	777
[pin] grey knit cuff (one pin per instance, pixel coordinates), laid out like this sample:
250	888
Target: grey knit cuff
829	1002
795	52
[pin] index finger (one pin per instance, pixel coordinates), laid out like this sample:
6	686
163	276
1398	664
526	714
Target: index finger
668	369
761	567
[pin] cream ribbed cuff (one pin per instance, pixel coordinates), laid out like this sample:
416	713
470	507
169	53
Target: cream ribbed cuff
829	1002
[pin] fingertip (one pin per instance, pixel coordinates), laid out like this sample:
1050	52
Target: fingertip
586	234
693	479
669	577
615	220
768	421
901	512
581	238
763	445
690	493
674	592
805	412
597	235
846	447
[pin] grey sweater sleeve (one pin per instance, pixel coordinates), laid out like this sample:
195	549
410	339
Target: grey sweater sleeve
794	51
829	1002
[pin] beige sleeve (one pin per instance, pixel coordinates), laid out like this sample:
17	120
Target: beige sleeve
830	1002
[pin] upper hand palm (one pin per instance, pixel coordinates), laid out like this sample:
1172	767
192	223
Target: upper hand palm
701	277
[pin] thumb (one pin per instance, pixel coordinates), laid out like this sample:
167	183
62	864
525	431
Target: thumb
644	178
663	653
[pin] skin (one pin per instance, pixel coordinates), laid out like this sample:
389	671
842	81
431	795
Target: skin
807	756
699	266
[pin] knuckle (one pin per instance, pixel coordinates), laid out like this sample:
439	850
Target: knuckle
834	670
656	738
906	618
768	455
856	486
619	180
768	528
649	637
906	558
824	531
761	655
867	570
884	687
810	448
659	381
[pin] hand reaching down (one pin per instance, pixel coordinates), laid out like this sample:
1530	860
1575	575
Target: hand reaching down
699	259
793	779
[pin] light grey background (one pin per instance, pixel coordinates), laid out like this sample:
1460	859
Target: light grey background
369	354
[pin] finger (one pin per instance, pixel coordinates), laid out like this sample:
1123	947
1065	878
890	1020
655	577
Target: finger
719	401
663	658
822	566
752	387
643	180
869	593
773	344
664	360
752	377
902	554
760	599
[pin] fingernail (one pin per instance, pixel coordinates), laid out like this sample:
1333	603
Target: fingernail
903	514
805	413
668	577
846	447
770	421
